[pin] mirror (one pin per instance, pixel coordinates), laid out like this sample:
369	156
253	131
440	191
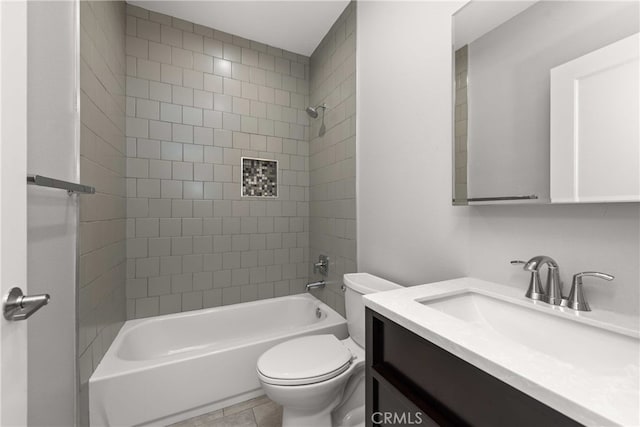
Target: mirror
504	52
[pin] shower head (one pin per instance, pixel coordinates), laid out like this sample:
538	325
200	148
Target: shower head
313	111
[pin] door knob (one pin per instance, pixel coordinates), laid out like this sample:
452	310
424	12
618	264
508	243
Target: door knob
17	306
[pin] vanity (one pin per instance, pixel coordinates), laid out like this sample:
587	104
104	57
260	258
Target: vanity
472	352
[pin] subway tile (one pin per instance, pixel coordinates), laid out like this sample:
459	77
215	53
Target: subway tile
181	245
213	83
137	168
202	136
203	31
230	122
221	67
212	298
146	109
240	72
159	246
159	130
202	244
232	87
160	208
149	188
137	207
170	113
160	53
282	66
170	265
266	61
170	227
221	278
203	63
274	80
149	70
148	30
241	106
192	190
230	295
181	24
182	95
282	98
192	116
223	102
138	88
171	189
258	76
192	263
203	172
159	18
170	36
147	227
213	119
182	133
212	226
203	99
146	267
213	47
193	79
170	304
258	109
203	280
137	47
147	307
181	283
171	151
212	190
170	74
183	171
249	124
160	285
231	52
194	42
160	91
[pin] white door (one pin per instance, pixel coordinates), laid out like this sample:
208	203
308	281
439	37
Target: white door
13	206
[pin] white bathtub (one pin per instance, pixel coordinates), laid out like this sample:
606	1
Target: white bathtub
164	369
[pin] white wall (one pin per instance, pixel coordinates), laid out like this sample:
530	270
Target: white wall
52	214
407	229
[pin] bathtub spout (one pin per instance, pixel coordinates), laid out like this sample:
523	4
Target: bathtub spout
314	285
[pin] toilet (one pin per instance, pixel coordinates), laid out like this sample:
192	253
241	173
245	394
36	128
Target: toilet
314	375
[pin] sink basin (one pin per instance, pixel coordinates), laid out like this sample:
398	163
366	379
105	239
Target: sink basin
545	330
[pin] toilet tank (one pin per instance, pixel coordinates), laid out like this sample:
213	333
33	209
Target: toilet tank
358	284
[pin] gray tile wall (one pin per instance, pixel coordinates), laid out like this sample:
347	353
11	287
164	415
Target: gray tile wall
102	265
332	161
197	100
461	124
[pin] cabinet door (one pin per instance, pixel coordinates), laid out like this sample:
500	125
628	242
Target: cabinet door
595	121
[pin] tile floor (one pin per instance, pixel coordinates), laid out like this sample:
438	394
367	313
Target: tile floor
258	412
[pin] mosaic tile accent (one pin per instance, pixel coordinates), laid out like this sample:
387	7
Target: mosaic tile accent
259	177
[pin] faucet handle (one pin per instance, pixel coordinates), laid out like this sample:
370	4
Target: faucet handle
576	298
535	290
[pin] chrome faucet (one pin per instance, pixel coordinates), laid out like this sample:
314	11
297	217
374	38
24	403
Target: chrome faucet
314	285
576	299
553	292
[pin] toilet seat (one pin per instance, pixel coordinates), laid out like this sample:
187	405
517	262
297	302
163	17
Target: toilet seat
305	360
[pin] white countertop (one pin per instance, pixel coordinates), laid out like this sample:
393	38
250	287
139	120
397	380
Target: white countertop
589	398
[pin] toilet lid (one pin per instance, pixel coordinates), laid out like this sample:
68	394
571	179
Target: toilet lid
305	360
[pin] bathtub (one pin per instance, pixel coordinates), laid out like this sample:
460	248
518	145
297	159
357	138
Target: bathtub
168	368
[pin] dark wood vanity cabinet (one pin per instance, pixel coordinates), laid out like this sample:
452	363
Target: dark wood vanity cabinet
411	381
